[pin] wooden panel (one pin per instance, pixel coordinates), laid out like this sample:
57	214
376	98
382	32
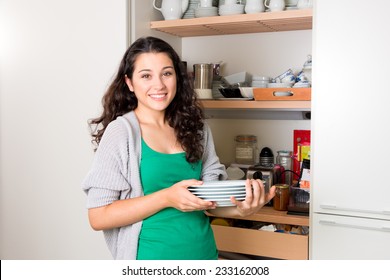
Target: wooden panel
262	243
269	94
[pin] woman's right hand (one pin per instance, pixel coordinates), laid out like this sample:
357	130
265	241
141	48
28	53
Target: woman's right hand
178	196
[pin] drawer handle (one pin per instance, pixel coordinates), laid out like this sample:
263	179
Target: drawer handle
283	93
334	207
333	223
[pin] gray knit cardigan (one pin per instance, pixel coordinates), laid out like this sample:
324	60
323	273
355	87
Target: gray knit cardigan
115	175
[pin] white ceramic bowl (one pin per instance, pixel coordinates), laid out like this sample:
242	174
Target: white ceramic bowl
246	92
239	78
235	173
261	78
235	9
259	84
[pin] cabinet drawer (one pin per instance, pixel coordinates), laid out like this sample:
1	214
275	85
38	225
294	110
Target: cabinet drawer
261	243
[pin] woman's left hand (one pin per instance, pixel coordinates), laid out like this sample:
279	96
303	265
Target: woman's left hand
255	199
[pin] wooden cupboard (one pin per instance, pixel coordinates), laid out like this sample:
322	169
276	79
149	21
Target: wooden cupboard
242	240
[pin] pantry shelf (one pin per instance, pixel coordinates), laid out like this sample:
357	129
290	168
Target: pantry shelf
274	105
237	24
269	215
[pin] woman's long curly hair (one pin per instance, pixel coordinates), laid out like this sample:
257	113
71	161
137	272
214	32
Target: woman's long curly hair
184	113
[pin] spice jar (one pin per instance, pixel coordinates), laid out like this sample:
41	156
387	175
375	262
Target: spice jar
284	158
246	149
281	198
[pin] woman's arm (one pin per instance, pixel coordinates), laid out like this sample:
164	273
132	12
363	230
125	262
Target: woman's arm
129	211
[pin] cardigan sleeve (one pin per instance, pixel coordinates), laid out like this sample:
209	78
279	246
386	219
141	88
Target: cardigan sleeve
107	177
212	169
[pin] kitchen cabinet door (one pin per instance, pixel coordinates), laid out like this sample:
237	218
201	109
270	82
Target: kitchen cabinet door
350	130
350	238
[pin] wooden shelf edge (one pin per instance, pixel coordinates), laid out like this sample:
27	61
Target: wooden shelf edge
273	105
222	25
269	215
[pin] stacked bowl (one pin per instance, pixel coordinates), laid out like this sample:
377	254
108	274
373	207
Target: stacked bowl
233	9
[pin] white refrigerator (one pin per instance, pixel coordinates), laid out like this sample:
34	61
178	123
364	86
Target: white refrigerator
350	195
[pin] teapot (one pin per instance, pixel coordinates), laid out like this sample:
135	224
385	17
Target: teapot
172	9
275	5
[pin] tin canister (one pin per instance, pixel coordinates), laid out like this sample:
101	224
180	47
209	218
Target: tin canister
281	198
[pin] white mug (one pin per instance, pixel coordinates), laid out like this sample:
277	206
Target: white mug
275	5
206	3
254	6
172	9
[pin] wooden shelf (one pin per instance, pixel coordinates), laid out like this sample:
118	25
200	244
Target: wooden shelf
274	105
269	215
237	24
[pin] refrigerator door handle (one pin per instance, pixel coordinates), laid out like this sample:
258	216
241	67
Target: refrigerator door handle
334	207
333	223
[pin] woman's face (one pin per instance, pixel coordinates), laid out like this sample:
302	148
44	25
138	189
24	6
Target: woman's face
153	81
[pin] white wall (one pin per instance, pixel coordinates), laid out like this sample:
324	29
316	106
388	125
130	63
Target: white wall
57	58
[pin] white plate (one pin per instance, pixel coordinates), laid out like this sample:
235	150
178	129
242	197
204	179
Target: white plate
233	188
226	196
222	199
216	184
219	193
224	204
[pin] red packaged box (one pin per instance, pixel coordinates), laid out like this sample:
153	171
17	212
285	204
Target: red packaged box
301	139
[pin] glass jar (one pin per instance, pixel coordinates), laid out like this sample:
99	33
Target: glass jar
246	149
284	158
281	198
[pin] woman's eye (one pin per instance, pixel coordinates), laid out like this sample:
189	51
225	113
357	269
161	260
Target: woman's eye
168	74
145	76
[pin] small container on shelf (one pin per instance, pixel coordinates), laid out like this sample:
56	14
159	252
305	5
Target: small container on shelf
299	200
246	149
281	198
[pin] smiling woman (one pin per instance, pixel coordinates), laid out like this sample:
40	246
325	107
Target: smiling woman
152	120
152	124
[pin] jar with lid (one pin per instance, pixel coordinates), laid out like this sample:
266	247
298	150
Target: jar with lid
266	157
281	198
246	149
284	158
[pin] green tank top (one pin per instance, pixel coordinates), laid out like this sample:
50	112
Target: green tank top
172	234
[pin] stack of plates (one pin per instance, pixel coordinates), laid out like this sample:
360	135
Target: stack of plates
190	13
235	9
206	12
220	191
291	4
